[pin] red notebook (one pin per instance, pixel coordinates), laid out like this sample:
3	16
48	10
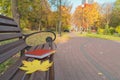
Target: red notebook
40	53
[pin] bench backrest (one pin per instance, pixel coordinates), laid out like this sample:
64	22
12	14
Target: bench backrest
11	41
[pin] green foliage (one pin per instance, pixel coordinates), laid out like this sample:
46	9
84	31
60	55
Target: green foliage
30	13
37	14
100	31
5	7
106	31
67	27
4	66
115	21
111	30
117	29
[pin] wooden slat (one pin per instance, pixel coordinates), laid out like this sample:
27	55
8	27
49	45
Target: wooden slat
46	46
8	29
11	52
35	76
40	46
9	36
12	70
7	21
39	76
7	47
20	75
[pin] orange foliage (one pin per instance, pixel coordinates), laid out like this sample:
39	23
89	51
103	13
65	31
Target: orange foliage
66	16
86	16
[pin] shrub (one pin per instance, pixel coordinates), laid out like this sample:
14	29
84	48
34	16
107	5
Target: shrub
117	29
67	27
111	30
100	31
106	31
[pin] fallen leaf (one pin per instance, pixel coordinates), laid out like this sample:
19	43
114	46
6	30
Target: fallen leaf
35	65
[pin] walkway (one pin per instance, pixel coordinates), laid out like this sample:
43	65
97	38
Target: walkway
87	59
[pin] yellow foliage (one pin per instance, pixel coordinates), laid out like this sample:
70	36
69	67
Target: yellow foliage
91	14
86	16
35	65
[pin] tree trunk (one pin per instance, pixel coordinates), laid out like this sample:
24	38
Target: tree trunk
39	29
15	12
60	18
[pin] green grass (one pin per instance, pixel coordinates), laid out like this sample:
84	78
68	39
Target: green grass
10	61
4	66
39	38
107	37
64	38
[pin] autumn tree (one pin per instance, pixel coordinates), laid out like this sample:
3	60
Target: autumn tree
86	16
66	17
15	12
57	6
34	13
77	16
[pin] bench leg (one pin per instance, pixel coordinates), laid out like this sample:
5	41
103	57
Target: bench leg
51	73
51	70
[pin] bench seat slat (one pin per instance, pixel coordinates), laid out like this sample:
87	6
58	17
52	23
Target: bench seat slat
9	36
12	70
11	52
8	46
39	76
20	75
8	29
7	21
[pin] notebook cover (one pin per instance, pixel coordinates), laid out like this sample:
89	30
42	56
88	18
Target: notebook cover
40	53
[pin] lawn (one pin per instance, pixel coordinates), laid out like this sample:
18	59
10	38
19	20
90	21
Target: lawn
94	35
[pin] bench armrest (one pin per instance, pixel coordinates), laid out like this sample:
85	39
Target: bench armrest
47	39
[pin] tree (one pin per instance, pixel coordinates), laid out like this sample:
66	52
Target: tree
115	14
66	17
107	13
15	12
58	5
86	16
35	13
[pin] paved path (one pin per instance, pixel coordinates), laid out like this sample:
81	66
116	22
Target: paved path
87	59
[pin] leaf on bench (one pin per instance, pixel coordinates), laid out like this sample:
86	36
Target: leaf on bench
35	65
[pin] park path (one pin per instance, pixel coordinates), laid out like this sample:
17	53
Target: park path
87	59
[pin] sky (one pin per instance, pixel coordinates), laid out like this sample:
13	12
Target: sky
75	3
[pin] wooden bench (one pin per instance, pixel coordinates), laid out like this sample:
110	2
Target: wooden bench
9	30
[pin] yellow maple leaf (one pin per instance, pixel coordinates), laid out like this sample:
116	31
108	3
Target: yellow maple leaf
35	65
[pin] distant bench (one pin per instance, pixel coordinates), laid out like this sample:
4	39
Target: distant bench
10	30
